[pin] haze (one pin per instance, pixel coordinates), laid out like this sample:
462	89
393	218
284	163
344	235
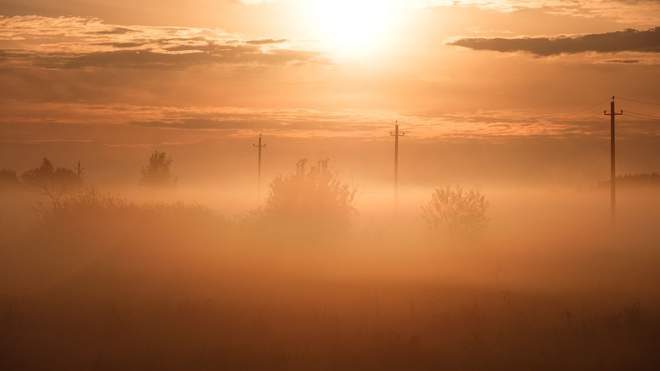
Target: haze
219	185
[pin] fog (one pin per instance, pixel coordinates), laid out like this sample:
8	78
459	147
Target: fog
323	270
139	230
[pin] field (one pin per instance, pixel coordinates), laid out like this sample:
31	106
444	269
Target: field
111	283
350	185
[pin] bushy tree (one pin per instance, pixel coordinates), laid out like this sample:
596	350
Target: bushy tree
158	173
456	210
51	181
309	201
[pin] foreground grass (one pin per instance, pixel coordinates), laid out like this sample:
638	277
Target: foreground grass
106	284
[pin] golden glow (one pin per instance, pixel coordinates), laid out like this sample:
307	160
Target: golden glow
353	28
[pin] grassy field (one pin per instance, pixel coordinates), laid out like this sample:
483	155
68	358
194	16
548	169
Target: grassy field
103	283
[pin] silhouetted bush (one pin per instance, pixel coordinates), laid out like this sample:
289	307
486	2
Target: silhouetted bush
456	210
309	201
633	181
93	204
638	180
157	173
92	218
52	182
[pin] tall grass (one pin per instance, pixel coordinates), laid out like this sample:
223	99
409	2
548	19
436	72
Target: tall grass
100	282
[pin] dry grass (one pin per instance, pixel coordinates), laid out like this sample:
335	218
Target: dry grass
103	283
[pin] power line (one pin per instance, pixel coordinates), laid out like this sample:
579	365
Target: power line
639	101
589	109
644	115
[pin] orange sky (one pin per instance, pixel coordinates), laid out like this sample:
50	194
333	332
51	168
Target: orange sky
446	69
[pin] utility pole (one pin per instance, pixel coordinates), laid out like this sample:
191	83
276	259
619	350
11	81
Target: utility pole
259	146
613	114
396	134
80	171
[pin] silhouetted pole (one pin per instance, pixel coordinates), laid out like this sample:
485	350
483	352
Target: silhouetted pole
396	134
613	114
260	146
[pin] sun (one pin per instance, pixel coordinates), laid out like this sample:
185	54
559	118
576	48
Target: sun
353	28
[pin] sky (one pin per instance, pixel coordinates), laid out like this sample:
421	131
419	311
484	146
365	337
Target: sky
169	72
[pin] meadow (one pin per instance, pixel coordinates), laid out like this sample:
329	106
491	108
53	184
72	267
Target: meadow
350	185
148	281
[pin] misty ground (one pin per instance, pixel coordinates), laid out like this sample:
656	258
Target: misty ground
156	284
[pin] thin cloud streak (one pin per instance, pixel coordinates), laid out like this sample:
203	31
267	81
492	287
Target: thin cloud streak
306	122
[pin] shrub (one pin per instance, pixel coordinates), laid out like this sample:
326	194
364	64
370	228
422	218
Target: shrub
456	210
52	182
638	180
309	201
90	218
157	173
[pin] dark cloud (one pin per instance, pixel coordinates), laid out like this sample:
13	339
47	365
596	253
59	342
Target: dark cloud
144	59
120	45
114	31
73	42
267	41
623	61
611	42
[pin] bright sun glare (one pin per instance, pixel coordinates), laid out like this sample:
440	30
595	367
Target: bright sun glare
352	28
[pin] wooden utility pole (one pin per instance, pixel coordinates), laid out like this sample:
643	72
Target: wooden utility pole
260	146
396	134
613	114
79	170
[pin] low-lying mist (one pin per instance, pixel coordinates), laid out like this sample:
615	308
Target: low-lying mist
320	273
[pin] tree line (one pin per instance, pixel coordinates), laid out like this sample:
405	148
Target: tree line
55	181
310	197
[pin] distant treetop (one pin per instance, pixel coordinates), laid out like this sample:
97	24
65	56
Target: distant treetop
157	172
51	181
